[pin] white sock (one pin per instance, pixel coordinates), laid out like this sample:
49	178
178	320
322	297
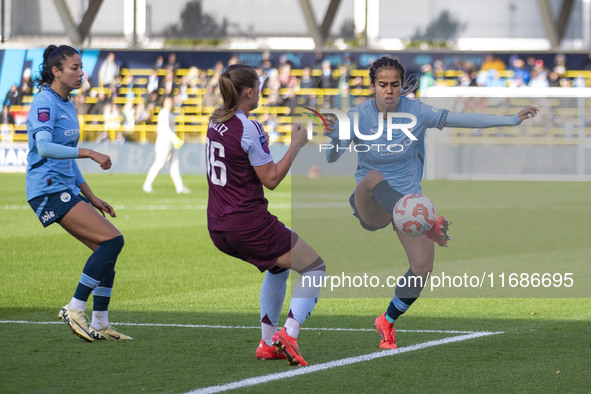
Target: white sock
100	319
272	296
292	327
77	304
267	332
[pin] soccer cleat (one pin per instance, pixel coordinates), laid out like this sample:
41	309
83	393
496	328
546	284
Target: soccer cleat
288	346
438	232
387	332
76	320
266	352
107	333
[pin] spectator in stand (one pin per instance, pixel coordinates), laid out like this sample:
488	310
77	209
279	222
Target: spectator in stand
521	73
82	107
153	100
159	62
130	85
99	107
108	71
27	86
193	77
168	83
203	79
530	63
13	96
233	60
553	79
284	75
218	69
343	99
327	81
493	62
307	82
153	81
318	60
210	99
539	75
560	65
6	125
173	62
142	114
349	64
426	80
86	86
112	116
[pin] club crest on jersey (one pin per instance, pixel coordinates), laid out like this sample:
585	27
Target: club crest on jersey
43	114
264	144
65	197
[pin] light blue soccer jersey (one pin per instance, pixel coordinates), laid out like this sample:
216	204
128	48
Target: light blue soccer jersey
400	160
50	112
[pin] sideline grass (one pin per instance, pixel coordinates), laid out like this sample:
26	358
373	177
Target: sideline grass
169	272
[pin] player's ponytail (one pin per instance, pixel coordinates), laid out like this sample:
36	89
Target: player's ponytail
231	82
53	56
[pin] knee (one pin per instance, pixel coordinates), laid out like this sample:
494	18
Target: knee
317	265
422	270
115	244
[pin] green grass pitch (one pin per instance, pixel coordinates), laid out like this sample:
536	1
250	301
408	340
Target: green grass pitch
194	312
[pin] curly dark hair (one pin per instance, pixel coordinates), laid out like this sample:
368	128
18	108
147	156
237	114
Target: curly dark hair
408	85
385	61
53	56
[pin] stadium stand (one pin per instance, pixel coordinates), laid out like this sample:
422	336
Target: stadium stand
137	93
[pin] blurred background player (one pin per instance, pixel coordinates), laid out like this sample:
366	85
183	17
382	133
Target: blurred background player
166	146
57	191
382	179
239	164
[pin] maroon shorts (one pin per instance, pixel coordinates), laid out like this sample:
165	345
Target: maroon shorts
260	247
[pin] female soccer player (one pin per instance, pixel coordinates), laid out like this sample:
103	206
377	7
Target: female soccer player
57	191
239	164
166	146
383	176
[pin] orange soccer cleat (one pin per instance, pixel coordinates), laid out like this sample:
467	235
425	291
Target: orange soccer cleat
387	332
288	346
438	233
267	352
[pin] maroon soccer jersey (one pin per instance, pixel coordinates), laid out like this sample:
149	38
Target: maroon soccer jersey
236	198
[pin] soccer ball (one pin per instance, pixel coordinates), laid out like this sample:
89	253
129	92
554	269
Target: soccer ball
414	214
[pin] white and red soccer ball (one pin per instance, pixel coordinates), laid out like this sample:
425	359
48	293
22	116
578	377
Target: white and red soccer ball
414	214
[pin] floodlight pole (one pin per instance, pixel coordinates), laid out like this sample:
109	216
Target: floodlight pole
3	27
134	35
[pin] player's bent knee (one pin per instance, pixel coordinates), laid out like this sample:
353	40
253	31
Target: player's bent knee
115	244
317	265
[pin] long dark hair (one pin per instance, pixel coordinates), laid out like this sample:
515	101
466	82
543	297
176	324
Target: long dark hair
391	62
232	81
53	56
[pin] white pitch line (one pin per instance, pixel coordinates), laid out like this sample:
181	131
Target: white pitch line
337	363
241	327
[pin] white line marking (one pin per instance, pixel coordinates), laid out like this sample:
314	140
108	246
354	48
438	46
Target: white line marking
240	327
337	363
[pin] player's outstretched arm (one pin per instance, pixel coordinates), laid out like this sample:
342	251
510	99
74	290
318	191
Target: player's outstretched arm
272	174
103	160
481	121
96	202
